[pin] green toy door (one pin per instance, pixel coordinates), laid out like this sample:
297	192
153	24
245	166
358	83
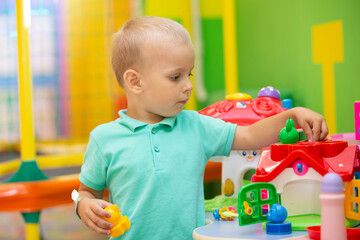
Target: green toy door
254	202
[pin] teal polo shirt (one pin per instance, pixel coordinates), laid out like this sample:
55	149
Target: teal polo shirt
154	172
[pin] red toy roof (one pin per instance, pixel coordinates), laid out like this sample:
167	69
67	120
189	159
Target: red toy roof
324	157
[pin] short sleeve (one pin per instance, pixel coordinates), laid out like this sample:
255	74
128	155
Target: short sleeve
217	136
94	168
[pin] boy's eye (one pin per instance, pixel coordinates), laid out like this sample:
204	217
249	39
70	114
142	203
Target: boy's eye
190	74
175	77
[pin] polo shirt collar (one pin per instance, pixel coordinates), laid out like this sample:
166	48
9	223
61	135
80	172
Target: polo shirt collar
133	124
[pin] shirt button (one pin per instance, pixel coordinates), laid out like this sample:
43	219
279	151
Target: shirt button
153	131
156	148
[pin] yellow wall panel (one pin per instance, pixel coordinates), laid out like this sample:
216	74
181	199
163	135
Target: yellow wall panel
164	8
328	49
91	104
211	8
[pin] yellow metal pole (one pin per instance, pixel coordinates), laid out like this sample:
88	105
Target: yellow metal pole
32	231
27	141
230	49
186	22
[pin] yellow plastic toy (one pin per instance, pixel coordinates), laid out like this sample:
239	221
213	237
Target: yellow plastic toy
352	199
120	223
247	209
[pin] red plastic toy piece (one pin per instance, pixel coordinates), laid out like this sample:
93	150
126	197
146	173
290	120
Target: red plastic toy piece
244	111
352	233
324	157
357	120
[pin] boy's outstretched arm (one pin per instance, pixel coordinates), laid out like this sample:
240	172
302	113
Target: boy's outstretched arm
266	131
91	207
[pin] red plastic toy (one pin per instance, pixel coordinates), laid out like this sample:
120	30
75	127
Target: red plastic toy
324	157
352	233
240	109
357	120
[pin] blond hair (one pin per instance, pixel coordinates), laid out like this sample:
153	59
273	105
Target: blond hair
127	42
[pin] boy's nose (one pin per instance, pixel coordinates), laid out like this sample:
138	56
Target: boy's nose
188	86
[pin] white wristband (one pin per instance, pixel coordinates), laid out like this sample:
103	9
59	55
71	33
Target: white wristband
75	197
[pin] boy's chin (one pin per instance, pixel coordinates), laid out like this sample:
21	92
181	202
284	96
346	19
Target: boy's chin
173	114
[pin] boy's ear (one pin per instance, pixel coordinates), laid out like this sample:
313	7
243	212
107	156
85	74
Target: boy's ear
132	80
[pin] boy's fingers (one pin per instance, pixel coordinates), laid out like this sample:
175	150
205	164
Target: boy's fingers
105	204
324	130
101	212
98	229
316	131
94	217
102	223
307	130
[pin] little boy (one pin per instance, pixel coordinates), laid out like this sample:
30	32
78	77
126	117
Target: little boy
152	158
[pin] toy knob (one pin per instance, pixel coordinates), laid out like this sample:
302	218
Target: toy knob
247	209
269	92
289	134
290	125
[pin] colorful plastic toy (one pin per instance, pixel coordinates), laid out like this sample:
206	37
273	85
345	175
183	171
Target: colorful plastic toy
323	157
287	103
277	216
120	223
230	215
357	120
332	200
296	170
252	201
278	228
247	209
289	134
228	188
277	213
352	192
241	109
314	233
225	213
216	214
332	210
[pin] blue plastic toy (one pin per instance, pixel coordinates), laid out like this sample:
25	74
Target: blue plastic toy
216	214
277	213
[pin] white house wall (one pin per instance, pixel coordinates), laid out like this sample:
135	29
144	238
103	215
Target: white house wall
299	194
234	168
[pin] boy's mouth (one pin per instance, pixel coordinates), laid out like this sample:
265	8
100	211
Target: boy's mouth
183	102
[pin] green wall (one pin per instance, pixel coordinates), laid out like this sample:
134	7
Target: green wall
275	48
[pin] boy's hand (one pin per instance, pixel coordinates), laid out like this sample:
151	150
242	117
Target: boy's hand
313	124
90	211
266	131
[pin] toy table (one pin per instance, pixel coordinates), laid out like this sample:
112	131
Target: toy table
230	230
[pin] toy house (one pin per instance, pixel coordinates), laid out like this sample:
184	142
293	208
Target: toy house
296	170
357	120
241	109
